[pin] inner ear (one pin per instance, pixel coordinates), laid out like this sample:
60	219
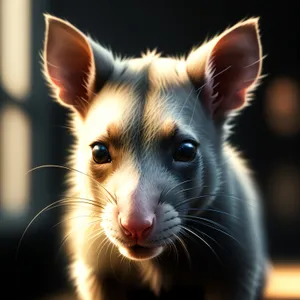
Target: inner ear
69	64
236	63
227	67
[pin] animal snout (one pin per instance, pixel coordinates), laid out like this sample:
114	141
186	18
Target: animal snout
136	227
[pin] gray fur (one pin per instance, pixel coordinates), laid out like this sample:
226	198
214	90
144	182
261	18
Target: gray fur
207	209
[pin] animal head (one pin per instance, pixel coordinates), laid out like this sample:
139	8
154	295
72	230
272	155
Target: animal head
149	130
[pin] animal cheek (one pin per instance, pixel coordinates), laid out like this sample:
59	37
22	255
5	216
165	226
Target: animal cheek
168	219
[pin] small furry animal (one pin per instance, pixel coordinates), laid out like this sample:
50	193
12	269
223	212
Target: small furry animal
157	199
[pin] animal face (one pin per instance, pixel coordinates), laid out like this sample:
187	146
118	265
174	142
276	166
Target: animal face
146	149
149	130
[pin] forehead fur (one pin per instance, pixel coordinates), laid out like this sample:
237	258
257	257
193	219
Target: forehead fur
112	108
139	102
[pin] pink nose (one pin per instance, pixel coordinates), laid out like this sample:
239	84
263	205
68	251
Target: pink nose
136	228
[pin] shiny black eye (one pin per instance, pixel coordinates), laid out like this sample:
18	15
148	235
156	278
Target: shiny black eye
185	152
101	154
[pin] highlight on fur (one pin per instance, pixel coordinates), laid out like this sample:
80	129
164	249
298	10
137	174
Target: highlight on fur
150	169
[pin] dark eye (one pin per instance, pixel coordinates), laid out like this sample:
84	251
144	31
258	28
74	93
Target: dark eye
101	154
185	152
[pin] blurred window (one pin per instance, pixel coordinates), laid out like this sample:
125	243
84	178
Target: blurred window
282	106
284	192
15	124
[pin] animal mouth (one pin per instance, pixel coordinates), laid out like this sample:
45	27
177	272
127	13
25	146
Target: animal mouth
137	252
137	247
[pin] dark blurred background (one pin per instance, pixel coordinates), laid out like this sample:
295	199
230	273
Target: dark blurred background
33	128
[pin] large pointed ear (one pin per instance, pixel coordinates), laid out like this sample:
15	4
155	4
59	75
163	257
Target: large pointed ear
69	64
227	67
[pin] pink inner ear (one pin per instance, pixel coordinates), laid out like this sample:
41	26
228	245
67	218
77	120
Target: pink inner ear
69	63
69	69
235	65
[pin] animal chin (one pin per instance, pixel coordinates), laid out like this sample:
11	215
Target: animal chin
137	252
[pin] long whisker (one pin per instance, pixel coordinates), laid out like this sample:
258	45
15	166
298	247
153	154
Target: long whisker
189	200
221	212
211	195
63	202
97	234
111	249
175	186
101	246
65	239
93	239
208	236
205	220
73	170
208	209
173	246
72	218
210	226
188	189
111	264
184	249
109	245
202	239
80	200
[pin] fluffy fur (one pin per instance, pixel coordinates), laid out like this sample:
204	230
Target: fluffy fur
207	230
